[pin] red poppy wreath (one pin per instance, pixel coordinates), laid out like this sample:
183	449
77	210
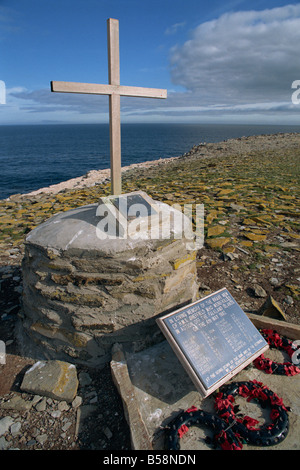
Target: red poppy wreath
280	342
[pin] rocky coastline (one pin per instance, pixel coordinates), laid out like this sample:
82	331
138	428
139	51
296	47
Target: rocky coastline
250	191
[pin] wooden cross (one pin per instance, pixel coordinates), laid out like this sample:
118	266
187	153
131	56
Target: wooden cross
114	90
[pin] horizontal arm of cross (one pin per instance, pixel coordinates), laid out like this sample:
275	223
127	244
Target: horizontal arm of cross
94	88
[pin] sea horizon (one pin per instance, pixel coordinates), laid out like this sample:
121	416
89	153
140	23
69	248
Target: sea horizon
33	156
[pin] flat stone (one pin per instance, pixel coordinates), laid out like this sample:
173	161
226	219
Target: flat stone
5	424
41	438
56	414
107	432
140	437
66	426
216	230
63	406
237	207
246	243
30	443
83	412
4	444
289	245
15	428
84	379
272	309
224	192
54	379
41	405
256	237
248	221
218	242
16	403
259	291
76	402
211	216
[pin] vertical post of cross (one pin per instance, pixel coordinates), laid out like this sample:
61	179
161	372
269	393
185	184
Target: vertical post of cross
114	105
114	90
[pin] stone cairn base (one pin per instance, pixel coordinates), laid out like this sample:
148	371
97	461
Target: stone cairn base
81	294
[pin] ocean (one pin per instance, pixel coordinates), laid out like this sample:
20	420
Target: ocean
36	156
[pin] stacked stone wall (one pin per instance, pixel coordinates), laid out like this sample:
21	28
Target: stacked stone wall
78	302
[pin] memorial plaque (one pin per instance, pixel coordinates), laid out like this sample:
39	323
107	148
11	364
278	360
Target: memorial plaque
213	338
128	206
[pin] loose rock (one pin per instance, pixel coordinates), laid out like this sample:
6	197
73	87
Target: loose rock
5	424
259	291
15	428
55	379
272	309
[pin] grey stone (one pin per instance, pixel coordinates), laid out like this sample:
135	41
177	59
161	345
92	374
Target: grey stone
66	426
229	256
54	379
83	412
41	438
41	405
289	300
93	400
63	406
274	281
259	291
76	402
5	424
36	399
17	403
107	432
56	414
15	428
84	379
4	444
31	442
237	207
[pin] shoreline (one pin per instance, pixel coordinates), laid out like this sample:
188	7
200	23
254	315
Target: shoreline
240	145
91	178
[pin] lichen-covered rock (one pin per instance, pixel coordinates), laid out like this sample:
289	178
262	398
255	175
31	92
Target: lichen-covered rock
54	379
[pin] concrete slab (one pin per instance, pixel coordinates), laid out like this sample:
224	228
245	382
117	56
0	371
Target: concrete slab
160	388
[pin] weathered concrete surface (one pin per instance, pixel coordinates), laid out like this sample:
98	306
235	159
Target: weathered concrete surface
82	294
162	389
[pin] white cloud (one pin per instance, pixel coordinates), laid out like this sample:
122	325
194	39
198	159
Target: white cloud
237	68
174	28
241	57
7	22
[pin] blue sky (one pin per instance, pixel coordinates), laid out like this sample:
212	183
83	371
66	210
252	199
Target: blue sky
221	62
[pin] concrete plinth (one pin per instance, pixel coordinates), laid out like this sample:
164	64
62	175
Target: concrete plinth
83	293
